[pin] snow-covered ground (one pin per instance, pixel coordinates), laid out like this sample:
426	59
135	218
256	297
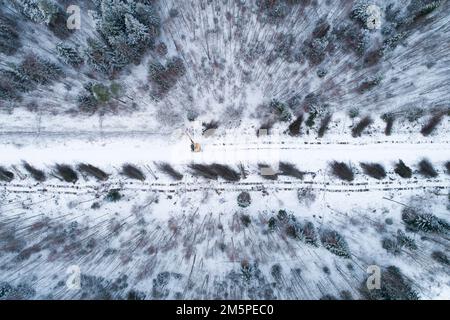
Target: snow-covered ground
200	238
245	65
187	239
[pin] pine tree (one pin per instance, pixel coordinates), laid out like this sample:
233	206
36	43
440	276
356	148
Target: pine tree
272	224
335	243
404	241
374	170
5	290
274	10
6	175
111	19
292	227
39	11
87	103
136	31
394	286
315	50
391	246
69	54
128	28
426	169
14	82
418	9
30	9
113	195
49	9
440	257
7	91
308	233
342	171
47	12
149	17
122	52
425	222
165	77
244	199
403	170
98	56
9	37
38	70
359	11
281	110
26	76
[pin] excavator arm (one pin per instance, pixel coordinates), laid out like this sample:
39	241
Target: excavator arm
195	147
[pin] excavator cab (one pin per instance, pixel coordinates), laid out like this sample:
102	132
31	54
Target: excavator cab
195	147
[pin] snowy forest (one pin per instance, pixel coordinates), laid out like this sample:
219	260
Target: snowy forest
224	149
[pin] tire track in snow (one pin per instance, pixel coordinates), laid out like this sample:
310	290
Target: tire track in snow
231	150
225	186
301	144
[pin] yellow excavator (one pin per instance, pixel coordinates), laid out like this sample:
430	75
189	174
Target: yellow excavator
195	147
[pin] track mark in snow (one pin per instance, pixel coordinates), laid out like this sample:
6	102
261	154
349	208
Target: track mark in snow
185	187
